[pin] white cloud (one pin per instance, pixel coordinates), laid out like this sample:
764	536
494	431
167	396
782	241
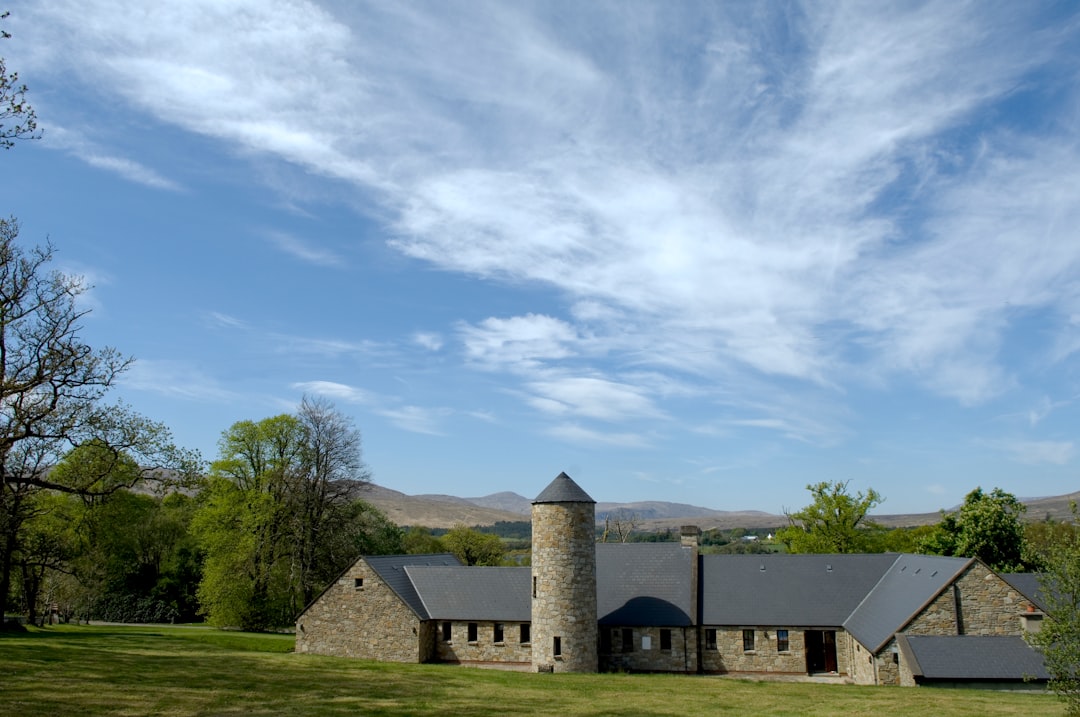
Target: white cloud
817	210
588	397
339	391
303	250
575	433
416	419
1056	453
88	151
175	379
519	342
428	340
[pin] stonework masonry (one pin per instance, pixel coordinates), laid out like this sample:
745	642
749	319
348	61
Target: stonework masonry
727	655
645	651
976	603
564	587
484	650
369	622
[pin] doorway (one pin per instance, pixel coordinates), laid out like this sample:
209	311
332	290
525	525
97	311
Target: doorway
820	650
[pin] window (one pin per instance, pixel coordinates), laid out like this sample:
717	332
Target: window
627	639
358	583
710	638
447	632
556	648
497	635
472	632
748	640
525	638
665	639
605	641
782	641
534	586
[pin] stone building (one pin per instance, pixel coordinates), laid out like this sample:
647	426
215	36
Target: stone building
663	607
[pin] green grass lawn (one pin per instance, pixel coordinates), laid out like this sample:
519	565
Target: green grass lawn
101	670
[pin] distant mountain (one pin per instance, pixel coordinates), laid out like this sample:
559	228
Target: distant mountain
444	511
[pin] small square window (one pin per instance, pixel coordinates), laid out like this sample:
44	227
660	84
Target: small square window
525	638
748	640
472	632
665	639
782	644
710	638
358	583
497	633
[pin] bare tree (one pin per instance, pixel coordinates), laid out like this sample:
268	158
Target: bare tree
618	525
13	105
52	387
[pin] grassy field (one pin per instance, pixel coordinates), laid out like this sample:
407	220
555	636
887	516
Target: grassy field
194	671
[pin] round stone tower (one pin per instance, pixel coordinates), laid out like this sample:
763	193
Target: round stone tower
564	579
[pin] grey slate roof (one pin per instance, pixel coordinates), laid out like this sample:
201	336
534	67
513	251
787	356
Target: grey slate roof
646	584
1028	585
563	490
909	584
473	593
971	657
793	590
391	568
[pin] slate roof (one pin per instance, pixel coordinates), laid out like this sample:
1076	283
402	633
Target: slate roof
391	568
906	587
646	584
971	657
794	590
473	593
1028	585
563	490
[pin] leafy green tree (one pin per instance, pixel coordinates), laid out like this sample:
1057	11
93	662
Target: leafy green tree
420	541
987	526
835	522
280	516
473	547
52	391
1059	638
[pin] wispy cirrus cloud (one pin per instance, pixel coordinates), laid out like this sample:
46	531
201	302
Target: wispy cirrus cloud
415	419
815	196
303	249
95	155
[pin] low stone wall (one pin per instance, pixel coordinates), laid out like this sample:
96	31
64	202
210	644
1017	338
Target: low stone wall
369	622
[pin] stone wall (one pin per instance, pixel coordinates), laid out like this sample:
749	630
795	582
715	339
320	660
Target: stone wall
369	622
728	654
564	586
987	606
484	649
645	653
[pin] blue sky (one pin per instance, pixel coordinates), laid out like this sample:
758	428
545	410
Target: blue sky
698	252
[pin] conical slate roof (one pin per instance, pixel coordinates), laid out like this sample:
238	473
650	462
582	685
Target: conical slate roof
563	490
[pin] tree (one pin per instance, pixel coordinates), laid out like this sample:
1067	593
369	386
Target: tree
13	105
52	388
1059	637
835	522
280	515
619	525
473	547
987	526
